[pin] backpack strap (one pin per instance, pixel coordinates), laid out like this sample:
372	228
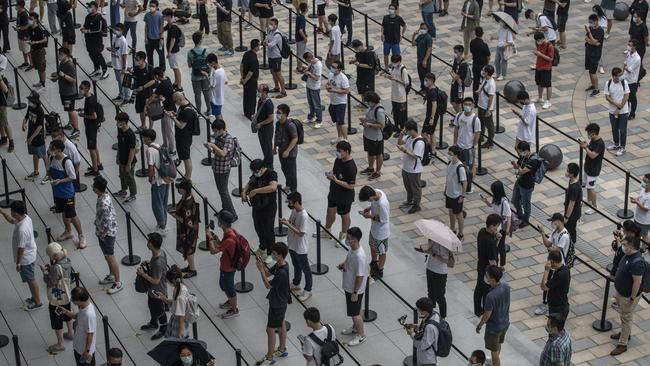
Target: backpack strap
317	340
413	147
458	172
436	324
376	108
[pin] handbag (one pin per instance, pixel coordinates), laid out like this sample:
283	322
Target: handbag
514	222
508	52
60	294
141	285
155	111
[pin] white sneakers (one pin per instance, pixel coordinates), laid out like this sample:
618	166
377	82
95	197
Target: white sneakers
547	104
357	340
541	310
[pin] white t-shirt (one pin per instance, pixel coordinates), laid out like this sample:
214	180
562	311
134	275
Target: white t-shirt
435	263
505	37
70	149
617	92
380	208
316	69
410	164
488	88
526	131
179	306
503	210
356	264
23	237
545	22
335	36
561	240
640	216
69	167
467	127
152	157
86	323
130	6
633	63
218	80
295	242
397	89
120	48
339	81
310	348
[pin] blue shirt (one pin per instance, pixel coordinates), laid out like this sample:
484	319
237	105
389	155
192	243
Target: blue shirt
153	21
61	169
498	302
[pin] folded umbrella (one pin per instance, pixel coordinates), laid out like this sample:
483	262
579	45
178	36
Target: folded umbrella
166	353
439	233
507	19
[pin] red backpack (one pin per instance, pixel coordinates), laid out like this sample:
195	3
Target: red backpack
242	253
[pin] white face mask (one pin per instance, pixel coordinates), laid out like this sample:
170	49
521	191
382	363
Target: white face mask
422	31
391	12
338	155
486	280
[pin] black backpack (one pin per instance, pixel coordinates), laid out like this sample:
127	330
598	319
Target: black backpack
408	76
389	127
443	345
428	152
300	130
376	62
100	113
198	62
329	349
441	102
285	47
570	258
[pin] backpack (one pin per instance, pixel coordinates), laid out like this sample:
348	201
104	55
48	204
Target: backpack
556	56
515	221
542	167
426	156
645	281
441	102
609	83
52	122
10	95
242	254
167	168
570	258
192	311
100	113
389	127
377	63
468	80
194	125
285	47
300	130
235	154
458	172
443	345
329	349
408	85
198	62
181	38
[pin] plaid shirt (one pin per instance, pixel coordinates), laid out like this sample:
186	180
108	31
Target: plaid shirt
221	164
105	218
556	350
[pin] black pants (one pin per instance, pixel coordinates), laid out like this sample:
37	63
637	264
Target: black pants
97	58
265	136
545	293
641	51
436	284
549	14
422	72
157	312
77	359
633	102
289	169
4	28
476	80
346	23
250	95
204	25
263	220
487	123
571	225
501	249
480	291
400	114
564	310
155	45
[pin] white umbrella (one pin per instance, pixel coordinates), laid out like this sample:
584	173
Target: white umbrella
439	233
507	19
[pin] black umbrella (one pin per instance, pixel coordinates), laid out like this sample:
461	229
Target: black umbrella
166	353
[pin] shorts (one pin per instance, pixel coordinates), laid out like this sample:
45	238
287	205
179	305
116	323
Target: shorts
430	128
275	317
107	245
68	102
609	13
493	341
457	93
467	157
91	134
454	204
543	78
591	64
183	151
391	48
66	207
373	148
353	308
321	10
243	4
39	151
23	46
173	60
227	283
216	109
381	246
644	228
341	208
588	181
561	22
140	102
3	118
27	272
56	321
275	64
337	113
38	59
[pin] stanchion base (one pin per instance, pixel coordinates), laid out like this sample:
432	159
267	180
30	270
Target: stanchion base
442	146
236	193
369	316
606	326
114	146
142	173
386	156
423	183
408	361
507	248
500	129
241	49
4	340
18	106
5	204
280	231
286	325
82	188
352	130
290	86
319	270
204	245
134	260
625	214
481	171
206	161
243	287
609	267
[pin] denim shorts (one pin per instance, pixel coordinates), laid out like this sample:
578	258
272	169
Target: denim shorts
27	272
38	151
391	48
107	244
227	283
216	109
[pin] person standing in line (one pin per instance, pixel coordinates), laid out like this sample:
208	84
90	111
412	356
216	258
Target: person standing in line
345	18
572	201
106	231
274	47
471	14
312	74
412	144
38	48
34	125
437	270
486	103
265	9
500	206
68	30
526	127
458	72
427	8
217	84
57	277
393	28
556	281
24	250
545	53
631	69
642	210
120	63
204	23
364	60
424	43
67	78
225	150
379	215
185	121
174	35
505	41
373	139
311	346
224	26
159	187
85	331
496	316
486	245
164	92
92	30
549	9
334	46
455	188
114	11
594	39
399	77
260	193
355	277
298	245
5	129
22	32
153	29
639	32
522	193
285	145
467	134
563	17
4	25
197	62
143	82
132	9
322	22
126	146
557	350
480	58
262	124
187	226
559	240
617	94
543	24
249	70
155	276
70	150
279	297
434	111
92	122
301	36
338	86
425	335
227	246
594	153
177	326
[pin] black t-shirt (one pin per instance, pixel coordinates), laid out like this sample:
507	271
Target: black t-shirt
173	32
90	107
263	200
141	76
593	51
266	109
93	23
628	266
264	12
593	166
67	27
188	116
639	32
392	28
225	17
480	52
37	34
21	21
527	181
345	12
250	63
279	294
432	96
460	68
35	119
564	10
125	142
301	23
166	90
345	171
639	7
67	87
558	287
364	75
486	244
574	193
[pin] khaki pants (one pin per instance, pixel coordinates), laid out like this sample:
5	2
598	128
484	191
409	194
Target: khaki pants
467	36
625	310
224	34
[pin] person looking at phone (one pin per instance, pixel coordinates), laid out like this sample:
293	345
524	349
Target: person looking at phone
177	326
298	245
594	153
379	215
155	275
227	245
260	193
560	239
425	334
57	275
85	331
185	120
311	350
355	276
225	152
106	231
642	210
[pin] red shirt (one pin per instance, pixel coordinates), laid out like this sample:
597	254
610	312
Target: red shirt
227	245
547	49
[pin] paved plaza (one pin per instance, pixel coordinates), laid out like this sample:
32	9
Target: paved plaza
404	278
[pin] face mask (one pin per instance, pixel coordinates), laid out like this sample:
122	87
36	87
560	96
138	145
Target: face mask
152	9
338	155
624	249
539	42
348	242
634	19
485	279
422	31
278	116
629	49
450	155
522	155
258	174
270	28
467	109
391	12
643	185
567	176
186	360
291	206
483	74
330	75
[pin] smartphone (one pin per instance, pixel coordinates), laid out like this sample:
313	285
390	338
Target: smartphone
481	195
302	338
58	310
328	174
360	212
211	225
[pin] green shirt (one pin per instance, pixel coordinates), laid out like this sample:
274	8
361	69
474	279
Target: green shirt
608	4
190	59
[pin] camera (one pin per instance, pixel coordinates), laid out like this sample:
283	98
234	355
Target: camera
211	225
402	320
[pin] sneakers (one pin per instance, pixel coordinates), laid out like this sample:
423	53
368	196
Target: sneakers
159	334
3	140
348	331
406	204
229	314
295	288
500	77
589	211
306	295
541	310
32	306
120	194
162	231
374	176
620	151
129	199
107	280
54	349
367	171
75	133
547	104
117	287
224	306
82	242
149	326
96	72
538	100
32	176
189	274
265	362
228	53
342	237
280	354
356	341
601	70
104	75
318	124
613	147
594	93
334	141
323	235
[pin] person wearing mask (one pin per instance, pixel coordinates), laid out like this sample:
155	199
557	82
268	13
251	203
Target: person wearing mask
249	70
477	358
114	357
262	124
373	139
543	24
185	120
341	191
120	62
312	77
639	11
227	246
486	245
174	35
298	245
412	144
67	79
427	8
274	46
322	21
559	240
486	102
379	215
91	117
68	30
85	331
260	194
572	200
496	316
204	24
38	47
617	94
526	127
627	228
153	271
594	153
594	38
522	193
399	77
177	326
500	206
164	92
556	282
639	32
153	29
455	188
301	36
5	129
126	148
631	69
424	44
557	350
187	216
563	17
458	72
355	276
224	150
471	18
132	9
345	18
197	62
224	26
425	334
22	31
364	60
544	69
436	269
338	86
265	9
642	210
505	45
70	150
159	186
57	277
467	133
480	58
393	29
34	124
217	84
186	357
106	232
311	345
92	30
4	25
285	145
434	112
334	46
143	82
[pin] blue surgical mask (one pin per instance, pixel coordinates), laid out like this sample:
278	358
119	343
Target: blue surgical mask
624	249
258	174
643	185
347	242
186	360
467	109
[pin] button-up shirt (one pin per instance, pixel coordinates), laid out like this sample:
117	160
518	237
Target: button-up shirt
221	164
557	350
105	218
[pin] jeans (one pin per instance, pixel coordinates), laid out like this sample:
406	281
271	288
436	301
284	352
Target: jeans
263	221
127	179
521	197
82	362
158	46
480	292
436	283
167	128
265	136
250	98
201	87
412	185
124	93
133	28
157	312
428	18
500	63
300	264
345	24
159	197
315	108
204	24
221	181
634	87
487	123
52	8
289	170
619	128
114	12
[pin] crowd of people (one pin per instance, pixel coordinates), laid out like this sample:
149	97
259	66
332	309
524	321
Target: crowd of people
280	132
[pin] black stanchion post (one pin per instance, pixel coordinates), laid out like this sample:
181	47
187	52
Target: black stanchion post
318	268
203	245
603	325
480	170
237	191
76	70
351	130
48	235
242	286
172	207
290	85
130	259
280	230
580	163
207	161
241	47
7	201
55	74
16	350
313	10
264	65
441	145
315	40
19	104
413	359
623	214
143	171
74	17
238	357
365	23
536	134
79	187
291	40
368	315
94	86
498	128
107	339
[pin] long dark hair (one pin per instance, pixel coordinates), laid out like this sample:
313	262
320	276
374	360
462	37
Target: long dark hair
174	276
599	11
498	192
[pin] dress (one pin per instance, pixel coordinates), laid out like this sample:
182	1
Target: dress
187	228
